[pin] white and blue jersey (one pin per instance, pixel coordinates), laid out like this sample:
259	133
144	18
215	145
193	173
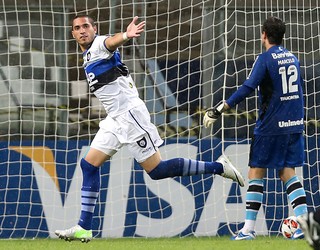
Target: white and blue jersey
128	121
276	74
109	78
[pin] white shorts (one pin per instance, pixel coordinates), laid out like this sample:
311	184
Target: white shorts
132	128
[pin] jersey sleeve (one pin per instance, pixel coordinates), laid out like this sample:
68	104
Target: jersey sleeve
257	73
254	79
103	47
239	95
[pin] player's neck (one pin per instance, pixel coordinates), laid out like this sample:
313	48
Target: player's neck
84	47
268	45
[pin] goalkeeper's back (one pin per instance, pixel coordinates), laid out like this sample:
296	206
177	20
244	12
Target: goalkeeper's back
276	73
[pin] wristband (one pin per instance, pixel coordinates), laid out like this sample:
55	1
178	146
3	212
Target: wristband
124	36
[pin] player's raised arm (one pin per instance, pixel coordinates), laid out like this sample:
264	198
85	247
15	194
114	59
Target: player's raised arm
133	30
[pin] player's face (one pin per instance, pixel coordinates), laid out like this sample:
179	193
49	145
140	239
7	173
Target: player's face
83	32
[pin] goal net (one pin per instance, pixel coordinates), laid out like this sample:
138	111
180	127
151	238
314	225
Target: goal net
192	54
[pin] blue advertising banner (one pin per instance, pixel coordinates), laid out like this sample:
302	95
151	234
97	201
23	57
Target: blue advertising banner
40	192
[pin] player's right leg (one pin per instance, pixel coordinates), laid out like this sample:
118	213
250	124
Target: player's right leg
89	195
75	233
254	199
102	148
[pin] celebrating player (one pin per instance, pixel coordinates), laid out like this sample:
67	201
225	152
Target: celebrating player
278	135
127	122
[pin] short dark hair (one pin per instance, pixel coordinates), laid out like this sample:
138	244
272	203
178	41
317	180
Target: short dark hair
274	28
91	20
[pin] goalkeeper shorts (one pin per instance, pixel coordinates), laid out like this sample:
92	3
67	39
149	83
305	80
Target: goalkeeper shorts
277	151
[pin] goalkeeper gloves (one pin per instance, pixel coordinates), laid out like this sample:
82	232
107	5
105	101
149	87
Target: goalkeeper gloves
212	114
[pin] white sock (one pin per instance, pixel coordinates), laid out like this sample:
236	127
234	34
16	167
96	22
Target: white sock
248	226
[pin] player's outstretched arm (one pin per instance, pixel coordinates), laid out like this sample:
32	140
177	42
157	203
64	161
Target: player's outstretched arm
133	30
212	114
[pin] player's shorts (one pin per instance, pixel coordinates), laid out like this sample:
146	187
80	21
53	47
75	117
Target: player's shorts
132	128
277	151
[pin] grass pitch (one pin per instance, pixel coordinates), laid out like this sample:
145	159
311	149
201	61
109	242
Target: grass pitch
187	243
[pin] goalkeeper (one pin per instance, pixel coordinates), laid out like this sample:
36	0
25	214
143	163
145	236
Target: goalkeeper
278	141
127	123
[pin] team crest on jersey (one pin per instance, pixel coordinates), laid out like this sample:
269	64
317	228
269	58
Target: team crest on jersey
142	143
130	85
88	56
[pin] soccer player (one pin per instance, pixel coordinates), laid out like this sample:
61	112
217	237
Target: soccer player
310	224
278	141
127	122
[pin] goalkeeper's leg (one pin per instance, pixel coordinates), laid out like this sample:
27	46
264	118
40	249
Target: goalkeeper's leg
254	199
297	198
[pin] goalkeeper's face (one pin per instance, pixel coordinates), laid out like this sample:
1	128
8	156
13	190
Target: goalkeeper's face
83	31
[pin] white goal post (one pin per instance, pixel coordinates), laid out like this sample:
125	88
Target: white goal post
192	54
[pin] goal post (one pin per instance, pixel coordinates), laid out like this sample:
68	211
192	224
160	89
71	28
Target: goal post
192	54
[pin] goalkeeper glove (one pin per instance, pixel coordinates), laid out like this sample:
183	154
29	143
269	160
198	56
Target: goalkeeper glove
213	114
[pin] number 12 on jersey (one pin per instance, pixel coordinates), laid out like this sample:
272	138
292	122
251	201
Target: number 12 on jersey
289	77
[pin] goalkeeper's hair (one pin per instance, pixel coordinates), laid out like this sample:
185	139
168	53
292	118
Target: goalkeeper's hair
274	28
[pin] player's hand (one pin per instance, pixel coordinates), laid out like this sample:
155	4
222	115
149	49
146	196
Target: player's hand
133	29
212	114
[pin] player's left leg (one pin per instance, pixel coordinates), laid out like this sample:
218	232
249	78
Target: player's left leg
296	195
160	169
294	157
145	150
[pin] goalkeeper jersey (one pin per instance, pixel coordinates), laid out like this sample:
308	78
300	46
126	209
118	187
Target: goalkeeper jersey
109	78
276	74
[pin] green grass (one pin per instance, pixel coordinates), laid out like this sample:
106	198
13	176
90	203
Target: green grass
187	243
